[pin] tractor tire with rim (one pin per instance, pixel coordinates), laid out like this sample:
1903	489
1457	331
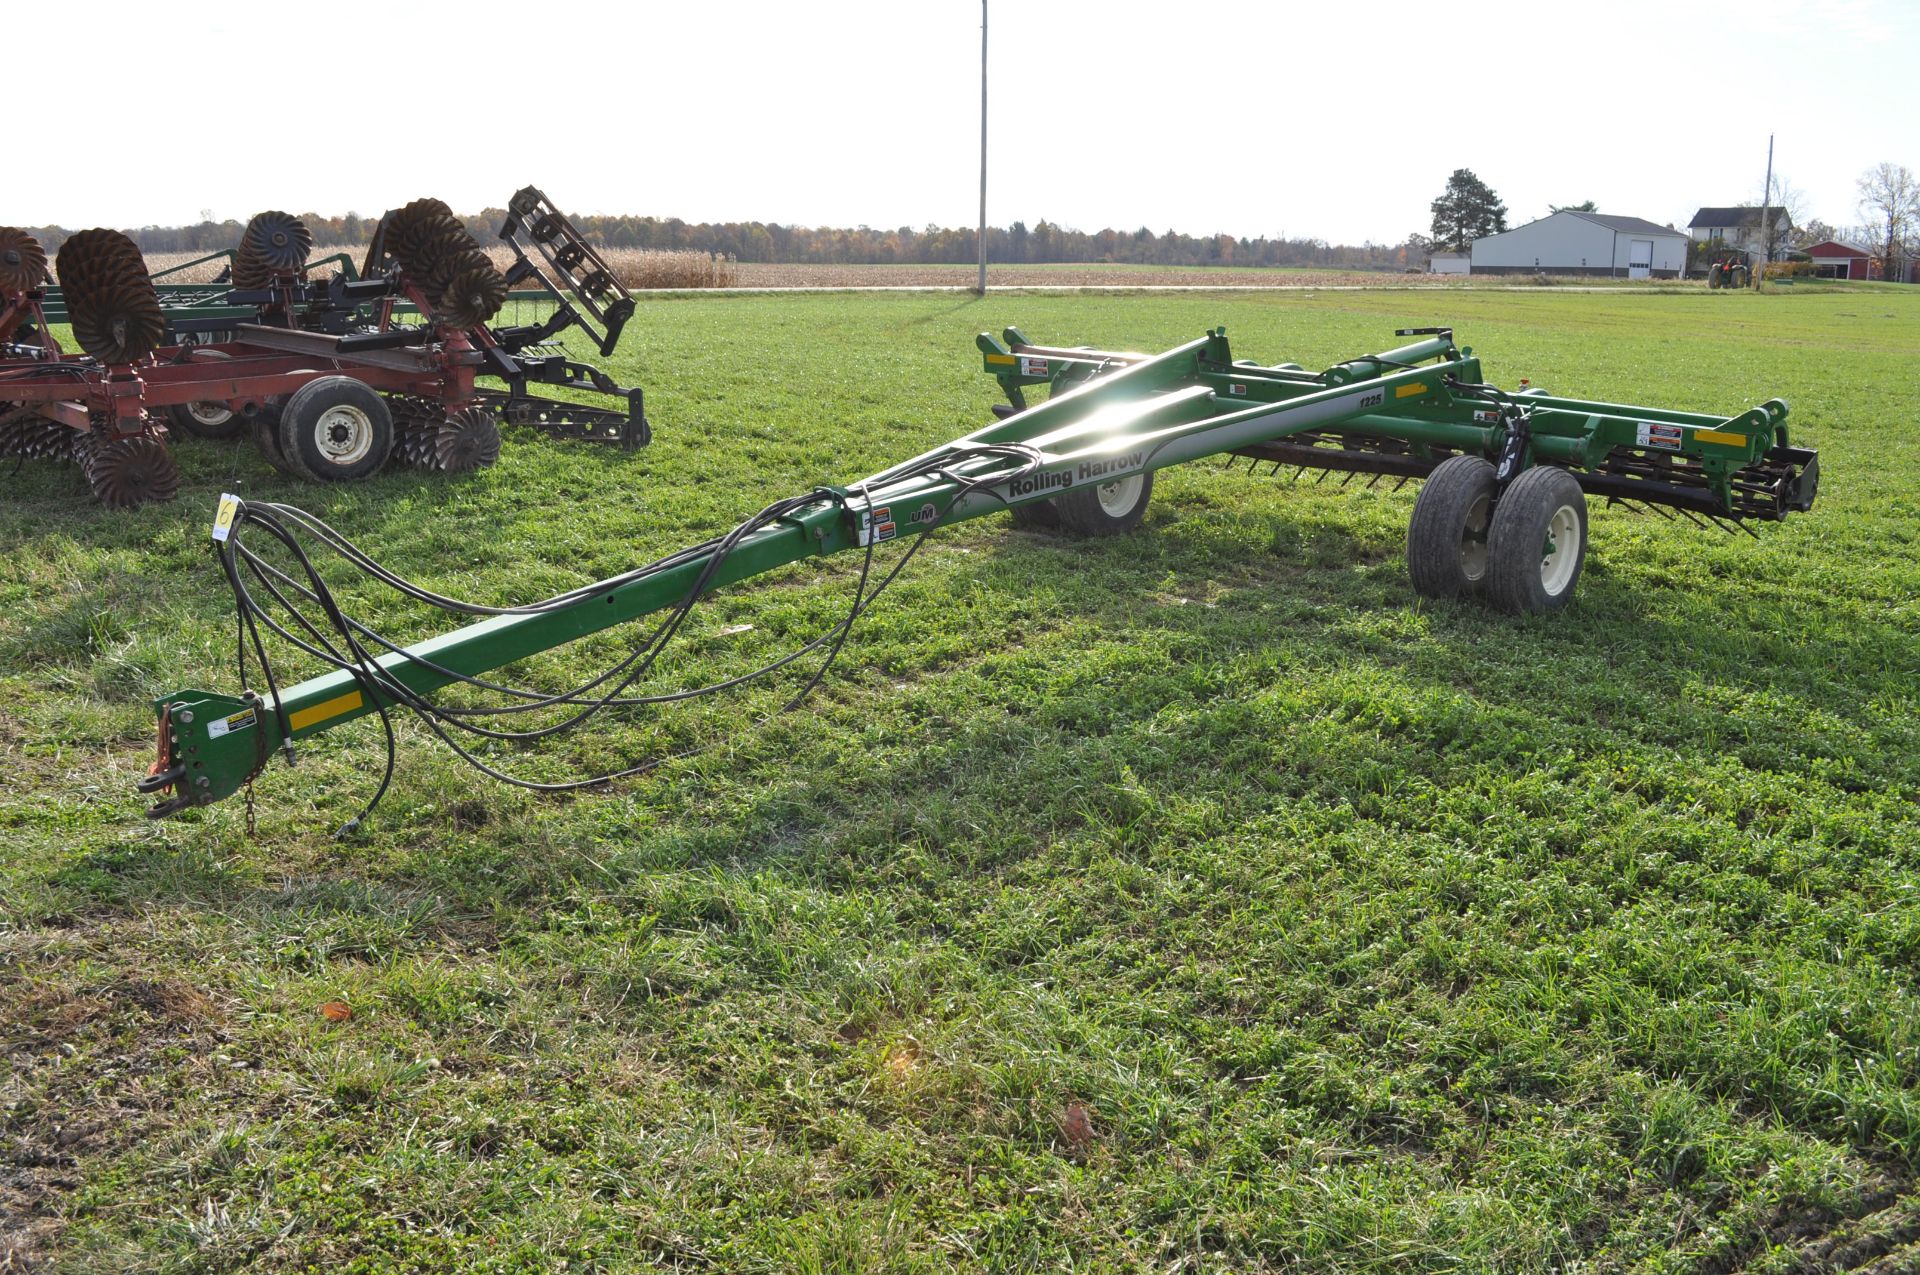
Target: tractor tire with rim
336	429
1104	509
1447	535
1537	543
210	418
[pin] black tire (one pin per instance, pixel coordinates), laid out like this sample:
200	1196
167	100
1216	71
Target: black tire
263	425
1447	535
1104	509
336	429
1036	515
1536	516
211	419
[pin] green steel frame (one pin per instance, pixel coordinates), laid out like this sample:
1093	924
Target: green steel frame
1735	468
1110	416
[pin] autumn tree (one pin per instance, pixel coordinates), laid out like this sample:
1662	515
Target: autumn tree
1814	232
1890	203
1466	210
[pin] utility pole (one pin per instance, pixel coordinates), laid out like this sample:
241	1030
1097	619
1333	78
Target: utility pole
981	287
1766	210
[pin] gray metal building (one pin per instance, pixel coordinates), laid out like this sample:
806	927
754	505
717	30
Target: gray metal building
1582	243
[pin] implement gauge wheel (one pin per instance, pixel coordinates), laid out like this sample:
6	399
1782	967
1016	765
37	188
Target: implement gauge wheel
1104	509
1538	542
336	429
1447	536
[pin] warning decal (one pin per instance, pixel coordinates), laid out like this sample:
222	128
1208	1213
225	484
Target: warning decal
227	725
1032	367
877	525
1660	434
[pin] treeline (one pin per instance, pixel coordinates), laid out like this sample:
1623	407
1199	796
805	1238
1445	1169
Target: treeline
1044	241
758	241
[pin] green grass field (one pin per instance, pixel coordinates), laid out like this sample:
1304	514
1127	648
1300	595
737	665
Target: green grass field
1367	934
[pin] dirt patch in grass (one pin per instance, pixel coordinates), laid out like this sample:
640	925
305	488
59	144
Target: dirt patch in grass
87	1067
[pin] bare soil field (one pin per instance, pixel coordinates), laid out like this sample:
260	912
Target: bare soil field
759	275
642	269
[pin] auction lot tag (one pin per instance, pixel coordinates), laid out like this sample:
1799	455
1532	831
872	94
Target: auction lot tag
223	516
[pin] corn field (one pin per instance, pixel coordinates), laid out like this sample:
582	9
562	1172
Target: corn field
635	267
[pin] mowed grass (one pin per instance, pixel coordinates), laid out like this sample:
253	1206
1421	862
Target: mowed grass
1198	900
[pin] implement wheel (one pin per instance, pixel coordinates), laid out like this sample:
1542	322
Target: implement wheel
263	425
1104	509
1447	536
336	429
1036	515
1538	542
209	418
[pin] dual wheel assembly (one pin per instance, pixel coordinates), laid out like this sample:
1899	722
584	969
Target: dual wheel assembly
1521	550
338	429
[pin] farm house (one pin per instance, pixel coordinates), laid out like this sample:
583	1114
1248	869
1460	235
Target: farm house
1582	243
1740	227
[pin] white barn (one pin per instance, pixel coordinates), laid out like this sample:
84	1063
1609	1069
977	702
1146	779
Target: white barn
1585	243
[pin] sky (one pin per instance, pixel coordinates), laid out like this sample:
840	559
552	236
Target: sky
1334	121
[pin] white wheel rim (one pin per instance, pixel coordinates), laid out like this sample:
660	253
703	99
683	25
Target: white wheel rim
1473	539
1561	552
210	413
343	435
1118	497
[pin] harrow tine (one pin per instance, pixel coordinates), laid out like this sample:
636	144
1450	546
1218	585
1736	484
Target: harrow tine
1322	478
1297	471
1692	519
1374	481
1347	479
1403	482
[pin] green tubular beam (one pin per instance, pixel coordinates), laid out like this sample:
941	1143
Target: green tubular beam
1141	413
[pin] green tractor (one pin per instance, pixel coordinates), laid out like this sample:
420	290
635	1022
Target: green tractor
1730	271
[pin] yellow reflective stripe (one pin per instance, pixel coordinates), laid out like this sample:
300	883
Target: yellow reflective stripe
1408	391
1719	436
325	709
1000	358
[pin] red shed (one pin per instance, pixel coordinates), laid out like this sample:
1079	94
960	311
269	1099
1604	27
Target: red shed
1838	260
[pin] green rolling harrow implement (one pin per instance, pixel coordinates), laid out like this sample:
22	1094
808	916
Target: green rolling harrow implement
1502	516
